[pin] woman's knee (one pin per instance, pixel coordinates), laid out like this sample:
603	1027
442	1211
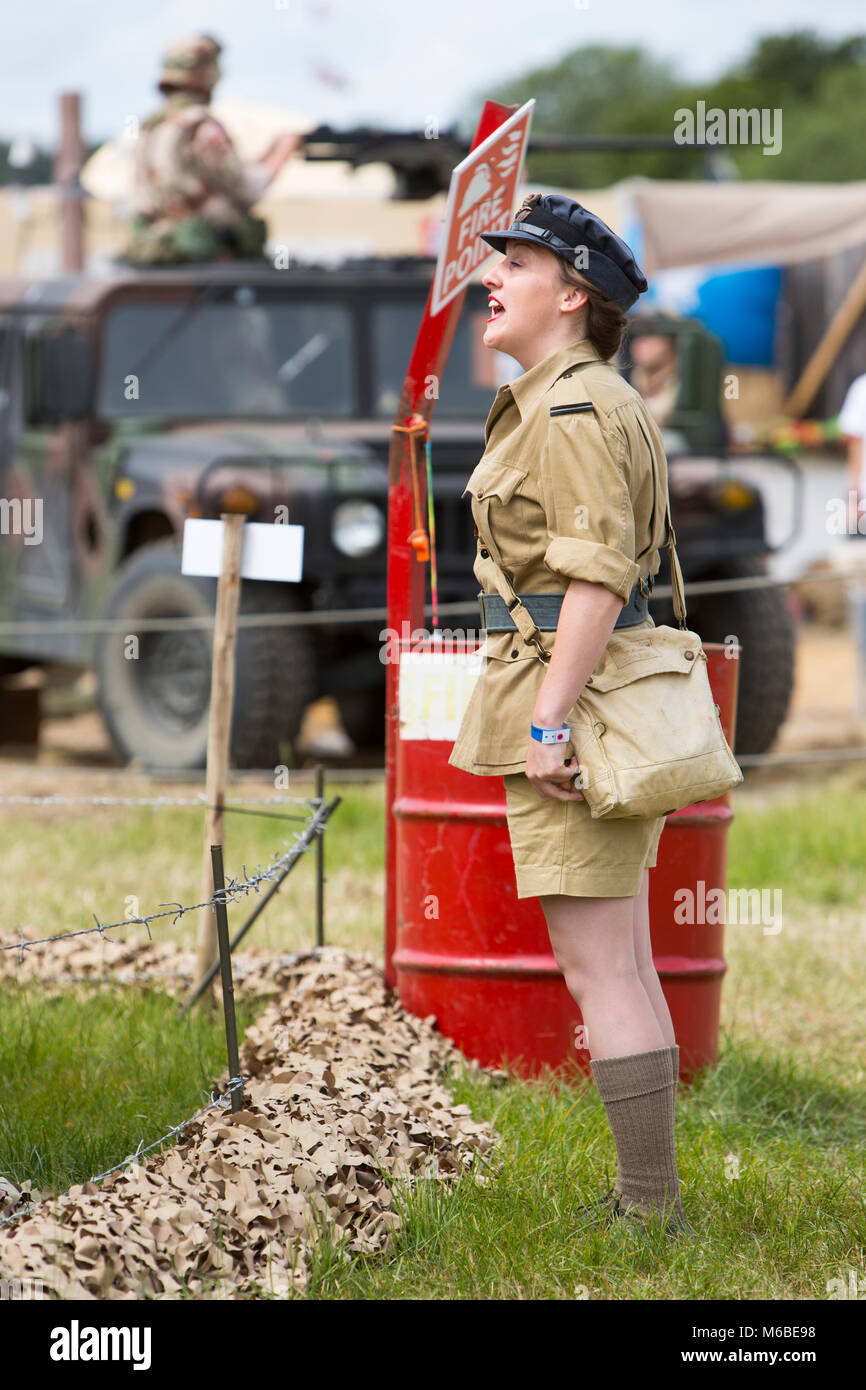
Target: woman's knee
590	979
591	938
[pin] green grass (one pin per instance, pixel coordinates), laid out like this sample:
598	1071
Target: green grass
89	1074
810	841
779	1230
771	1139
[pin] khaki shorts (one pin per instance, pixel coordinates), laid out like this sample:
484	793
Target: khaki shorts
557	847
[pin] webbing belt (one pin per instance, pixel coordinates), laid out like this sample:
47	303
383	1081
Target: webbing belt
544	611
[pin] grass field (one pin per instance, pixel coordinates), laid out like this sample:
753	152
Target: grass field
770	1140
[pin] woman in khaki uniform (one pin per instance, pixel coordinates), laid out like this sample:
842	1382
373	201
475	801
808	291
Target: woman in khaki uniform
568	502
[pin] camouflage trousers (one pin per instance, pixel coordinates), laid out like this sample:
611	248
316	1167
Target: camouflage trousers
165	240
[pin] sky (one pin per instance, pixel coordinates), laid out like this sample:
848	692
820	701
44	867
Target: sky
392	63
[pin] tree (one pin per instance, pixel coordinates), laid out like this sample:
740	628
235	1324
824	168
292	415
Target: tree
817	84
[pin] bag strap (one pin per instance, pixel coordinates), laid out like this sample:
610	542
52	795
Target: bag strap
677	585
525	623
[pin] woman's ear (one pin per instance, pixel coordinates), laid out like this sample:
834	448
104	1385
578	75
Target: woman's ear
574	299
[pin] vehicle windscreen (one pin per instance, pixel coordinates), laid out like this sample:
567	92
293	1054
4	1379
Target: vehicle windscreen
472	375
239	357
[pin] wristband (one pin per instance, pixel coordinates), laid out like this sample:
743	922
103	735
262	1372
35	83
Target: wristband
560	735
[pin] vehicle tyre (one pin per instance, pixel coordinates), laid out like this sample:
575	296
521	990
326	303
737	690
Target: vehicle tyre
762	624
155	705
275	678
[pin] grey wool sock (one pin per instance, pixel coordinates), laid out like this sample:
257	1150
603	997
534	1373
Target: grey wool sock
673	1052
638	1092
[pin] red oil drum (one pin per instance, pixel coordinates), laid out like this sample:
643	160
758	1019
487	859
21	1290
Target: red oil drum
470	952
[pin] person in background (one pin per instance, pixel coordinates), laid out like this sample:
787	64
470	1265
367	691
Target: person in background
192	194
656	373
852	427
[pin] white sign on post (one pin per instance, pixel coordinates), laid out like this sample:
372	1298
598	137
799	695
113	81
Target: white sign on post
481	194
269	551
434	691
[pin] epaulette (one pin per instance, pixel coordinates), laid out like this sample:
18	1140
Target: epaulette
571	409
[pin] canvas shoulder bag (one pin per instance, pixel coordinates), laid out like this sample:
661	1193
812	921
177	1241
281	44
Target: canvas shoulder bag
645	730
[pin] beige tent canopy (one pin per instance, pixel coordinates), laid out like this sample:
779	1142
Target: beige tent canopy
757	223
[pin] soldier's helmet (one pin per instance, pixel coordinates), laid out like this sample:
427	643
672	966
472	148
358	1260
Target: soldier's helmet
191	64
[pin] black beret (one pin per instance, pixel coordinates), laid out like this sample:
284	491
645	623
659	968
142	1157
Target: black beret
581	238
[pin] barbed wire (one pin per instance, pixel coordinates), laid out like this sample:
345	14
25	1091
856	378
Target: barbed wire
303	841
377	614
158	802
192	775
233	1084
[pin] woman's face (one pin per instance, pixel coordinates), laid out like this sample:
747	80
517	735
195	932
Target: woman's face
535	304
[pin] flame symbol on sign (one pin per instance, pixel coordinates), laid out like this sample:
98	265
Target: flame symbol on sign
510	153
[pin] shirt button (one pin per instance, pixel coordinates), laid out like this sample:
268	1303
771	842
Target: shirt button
515	652
480	492
485	554
566	376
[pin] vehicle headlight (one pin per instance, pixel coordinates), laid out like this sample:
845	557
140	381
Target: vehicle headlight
735	496
357	528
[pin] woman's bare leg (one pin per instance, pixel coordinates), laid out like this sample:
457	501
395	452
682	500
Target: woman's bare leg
593	941
644	956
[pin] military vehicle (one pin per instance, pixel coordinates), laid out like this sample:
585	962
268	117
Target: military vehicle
131	401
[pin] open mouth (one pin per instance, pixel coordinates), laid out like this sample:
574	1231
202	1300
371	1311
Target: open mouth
496	309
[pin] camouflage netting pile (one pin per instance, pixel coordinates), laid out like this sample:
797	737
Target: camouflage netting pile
345	1095
90	958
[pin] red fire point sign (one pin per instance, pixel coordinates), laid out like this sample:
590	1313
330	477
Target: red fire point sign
481	196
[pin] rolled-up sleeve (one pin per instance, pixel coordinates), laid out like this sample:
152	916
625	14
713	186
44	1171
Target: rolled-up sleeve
585	494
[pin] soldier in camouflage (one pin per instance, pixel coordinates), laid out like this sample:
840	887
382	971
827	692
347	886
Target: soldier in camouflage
192	193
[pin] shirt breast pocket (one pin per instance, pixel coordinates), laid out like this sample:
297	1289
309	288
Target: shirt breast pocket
493	477
501	510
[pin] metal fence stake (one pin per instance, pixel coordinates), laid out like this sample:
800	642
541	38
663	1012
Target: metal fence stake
205	981
320	863
216	854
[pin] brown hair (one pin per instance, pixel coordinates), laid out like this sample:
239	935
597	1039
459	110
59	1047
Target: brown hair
604	322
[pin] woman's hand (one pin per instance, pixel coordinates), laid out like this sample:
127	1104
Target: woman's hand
551	771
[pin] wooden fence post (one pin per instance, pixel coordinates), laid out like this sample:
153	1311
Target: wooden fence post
219	729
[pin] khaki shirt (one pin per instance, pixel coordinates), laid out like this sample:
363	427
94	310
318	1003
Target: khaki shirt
565	495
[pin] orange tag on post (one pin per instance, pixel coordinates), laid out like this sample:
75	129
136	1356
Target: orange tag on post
420	544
